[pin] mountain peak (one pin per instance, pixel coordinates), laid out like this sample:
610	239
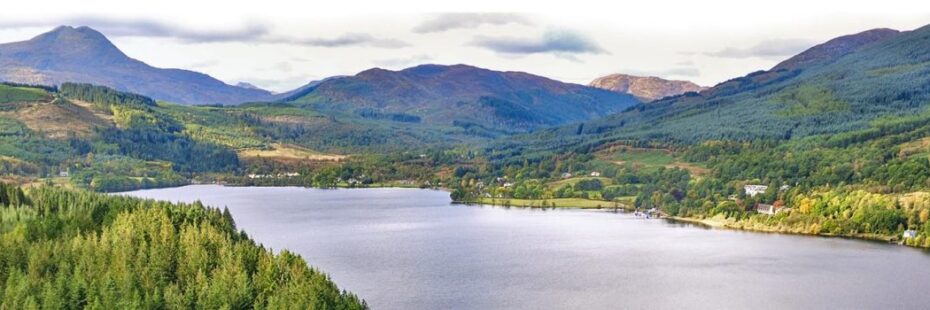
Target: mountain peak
77	43
82	54
73	35
645	87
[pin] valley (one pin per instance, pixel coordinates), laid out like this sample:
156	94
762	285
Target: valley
531	178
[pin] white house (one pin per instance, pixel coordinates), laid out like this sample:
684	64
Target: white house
766	209
595	174
908	234
566	175
753	190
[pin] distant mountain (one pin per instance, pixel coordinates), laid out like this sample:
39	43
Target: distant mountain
302	91
647	88
464	96
68	54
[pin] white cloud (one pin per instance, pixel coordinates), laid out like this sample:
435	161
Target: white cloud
450	21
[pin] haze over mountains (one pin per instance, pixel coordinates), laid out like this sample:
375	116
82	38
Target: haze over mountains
647	88
68	54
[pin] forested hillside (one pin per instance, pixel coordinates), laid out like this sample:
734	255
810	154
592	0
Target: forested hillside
74	250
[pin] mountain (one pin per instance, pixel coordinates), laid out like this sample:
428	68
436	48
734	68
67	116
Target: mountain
463	96
647	88
844	85
302	91
68	54
835	48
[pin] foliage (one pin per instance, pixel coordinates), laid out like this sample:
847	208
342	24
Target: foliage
102	95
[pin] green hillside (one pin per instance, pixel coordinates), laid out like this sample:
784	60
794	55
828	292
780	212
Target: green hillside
97	138
11	93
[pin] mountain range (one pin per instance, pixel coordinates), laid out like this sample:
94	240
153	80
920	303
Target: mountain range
646	88
68	54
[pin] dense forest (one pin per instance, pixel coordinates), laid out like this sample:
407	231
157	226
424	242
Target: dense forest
71	250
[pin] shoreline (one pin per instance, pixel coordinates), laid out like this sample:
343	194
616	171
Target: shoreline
730	225
281	186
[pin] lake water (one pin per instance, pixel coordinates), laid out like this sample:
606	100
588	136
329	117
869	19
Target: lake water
412	249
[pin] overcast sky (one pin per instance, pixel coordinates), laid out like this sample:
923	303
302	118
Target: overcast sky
280	45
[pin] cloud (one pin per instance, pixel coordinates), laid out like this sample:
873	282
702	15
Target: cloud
348	39
765	49
552	41
115	27
450	21
250	32
404	61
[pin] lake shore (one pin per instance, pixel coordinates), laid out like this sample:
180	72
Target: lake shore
720	223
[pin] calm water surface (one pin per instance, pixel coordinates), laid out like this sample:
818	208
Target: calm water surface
412	249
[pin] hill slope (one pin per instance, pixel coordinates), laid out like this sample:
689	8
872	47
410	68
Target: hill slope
68	54
465	96
647	88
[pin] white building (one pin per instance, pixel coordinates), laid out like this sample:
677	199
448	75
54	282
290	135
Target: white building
908	234
595	174
753	190
765	209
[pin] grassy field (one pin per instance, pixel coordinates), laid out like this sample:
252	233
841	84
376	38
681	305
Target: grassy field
289	152
572	181
10	94
649	159
576	203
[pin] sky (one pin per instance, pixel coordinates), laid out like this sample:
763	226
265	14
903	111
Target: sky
280	45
